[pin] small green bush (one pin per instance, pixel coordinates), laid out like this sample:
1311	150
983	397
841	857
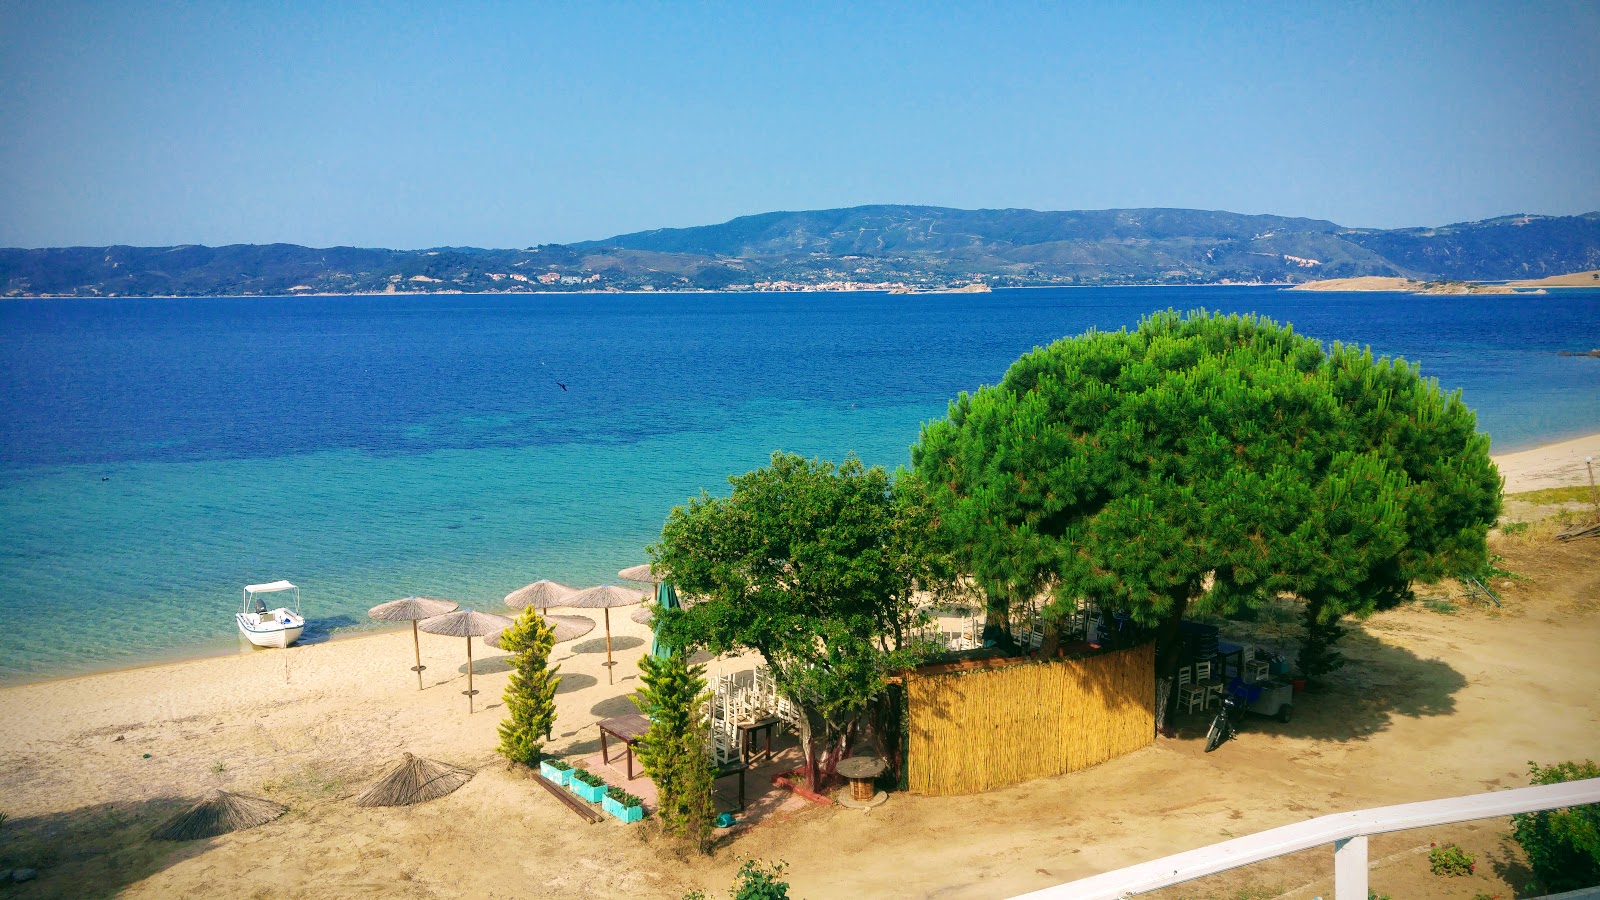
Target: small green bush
559	765
1562	845
623	797
587	777
1451	860
1440	606
756	881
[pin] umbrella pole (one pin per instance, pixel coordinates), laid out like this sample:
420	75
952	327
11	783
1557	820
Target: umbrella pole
469	691
416	644
610	675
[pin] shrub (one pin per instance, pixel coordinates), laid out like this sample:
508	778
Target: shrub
587	777
756	881
673	751
1451	860
531	692
559	765
623	797
1562	845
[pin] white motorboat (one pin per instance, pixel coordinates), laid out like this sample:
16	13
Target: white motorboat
270	627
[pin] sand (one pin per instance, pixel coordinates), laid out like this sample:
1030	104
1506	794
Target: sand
1364	283
1432	706
1406	285
1552	465
1589	279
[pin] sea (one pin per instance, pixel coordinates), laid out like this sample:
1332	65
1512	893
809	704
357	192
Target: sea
158	454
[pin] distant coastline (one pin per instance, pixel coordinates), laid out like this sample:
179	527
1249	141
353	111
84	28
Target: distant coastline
899	248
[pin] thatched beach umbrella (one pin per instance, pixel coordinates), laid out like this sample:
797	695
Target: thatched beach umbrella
643	614
467	623
411	609
567	628
414	780
605	597
540	595
648	573
219	812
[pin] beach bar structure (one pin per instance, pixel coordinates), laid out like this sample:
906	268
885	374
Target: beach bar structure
980	724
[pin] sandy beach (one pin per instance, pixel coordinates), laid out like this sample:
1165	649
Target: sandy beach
1433	705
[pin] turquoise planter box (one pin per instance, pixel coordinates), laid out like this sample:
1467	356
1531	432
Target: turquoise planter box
559	776
591	794
625	813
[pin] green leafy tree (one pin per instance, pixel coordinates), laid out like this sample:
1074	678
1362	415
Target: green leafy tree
813	566
1562	845
531	692
674	751
1204	462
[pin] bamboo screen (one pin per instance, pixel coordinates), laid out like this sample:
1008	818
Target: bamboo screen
990	728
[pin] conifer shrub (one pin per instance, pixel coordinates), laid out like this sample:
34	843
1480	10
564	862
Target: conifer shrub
531	693
674	752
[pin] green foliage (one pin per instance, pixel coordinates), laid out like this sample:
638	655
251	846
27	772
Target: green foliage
1451	860
1322	630
559	765
1562	845
1443	607
761	881
622	796
756	881
813	566
530	693
1374	895
673	751
1131	468
587	777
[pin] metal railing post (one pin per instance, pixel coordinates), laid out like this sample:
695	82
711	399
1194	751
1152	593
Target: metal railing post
1350	868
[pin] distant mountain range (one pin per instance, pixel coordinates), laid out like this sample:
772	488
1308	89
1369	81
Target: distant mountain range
863	247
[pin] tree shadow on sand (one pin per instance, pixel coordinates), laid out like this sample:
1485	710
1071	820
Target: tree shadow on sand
94	851
1378	683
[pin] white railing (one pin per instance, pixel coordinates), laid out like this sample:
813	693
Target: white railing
1347	832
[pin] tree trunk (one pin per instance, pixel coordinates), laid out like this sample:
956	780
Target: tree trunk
997	623
1168	651
1052	639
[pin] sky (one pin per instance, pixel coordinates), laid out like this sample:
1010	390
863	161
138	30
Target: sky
387	125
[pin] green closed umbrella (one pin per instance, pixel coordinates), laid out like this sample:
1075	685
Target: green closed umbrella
666	598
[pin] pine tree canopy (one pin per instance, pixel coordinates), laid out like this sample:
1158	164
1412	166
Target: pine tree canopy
1134	468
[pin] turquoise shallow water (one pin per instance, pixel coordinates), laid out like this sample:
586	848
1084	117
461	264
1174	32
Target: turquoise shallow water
158	455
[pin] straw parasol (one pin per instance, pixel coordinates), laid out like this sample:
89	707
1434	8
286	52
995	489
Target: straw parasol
642	615
645	574
415	780
467	623
567	628
539	595
410	610
605	597
219	812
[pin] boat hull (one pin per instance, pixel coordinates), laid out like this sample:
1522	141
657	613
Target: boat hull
273	633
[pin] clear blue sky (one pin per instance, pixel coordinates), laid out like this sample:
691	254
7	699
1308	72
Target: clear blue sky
516	124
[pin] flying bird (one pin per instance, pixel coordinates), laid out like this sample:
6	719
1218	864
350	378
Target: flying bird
560	385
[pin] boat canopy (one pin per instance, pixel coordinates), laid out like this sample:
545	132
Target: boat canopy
269	587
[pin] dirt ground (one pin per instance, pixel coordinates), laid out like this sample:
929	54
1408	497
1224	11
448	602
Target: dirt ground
1437	701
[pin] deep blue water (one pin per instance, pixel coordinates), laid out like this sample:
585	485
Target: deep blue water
158	454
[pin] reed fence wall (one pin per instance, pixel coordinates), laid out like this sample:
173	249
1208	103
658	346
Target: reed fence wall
987	728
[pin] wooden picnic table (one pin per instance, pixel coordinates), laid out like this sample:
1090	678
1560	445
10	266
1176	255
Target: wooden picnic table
628	730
